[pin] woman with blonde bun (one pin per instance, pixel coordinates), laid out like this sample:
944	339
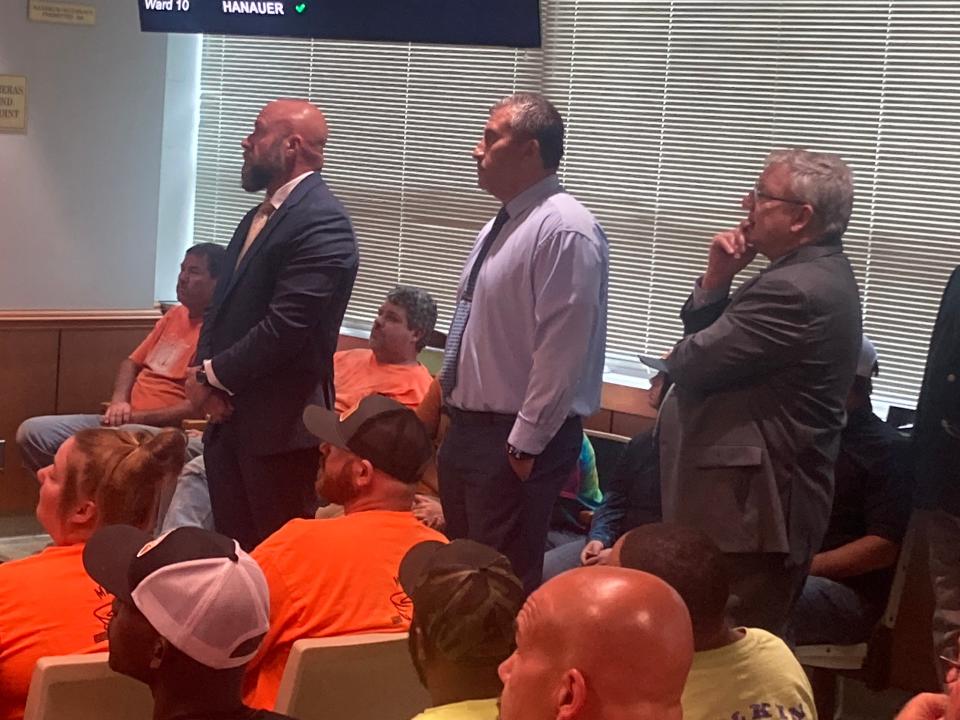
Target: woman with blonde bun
48	603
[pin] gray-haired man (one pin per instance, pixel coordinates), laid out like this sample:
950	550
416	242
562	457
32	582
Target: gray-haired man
750	434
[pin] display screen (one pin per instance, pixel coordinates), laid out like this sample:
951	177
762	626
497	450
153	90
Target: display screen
513	23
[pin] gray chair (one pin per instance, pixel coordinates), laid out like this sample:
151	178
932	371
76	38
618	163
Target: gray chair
83	687
351	677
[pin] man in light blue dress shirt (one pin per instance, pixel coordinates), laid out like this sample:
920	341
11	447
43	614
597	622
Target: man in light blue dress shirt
524	357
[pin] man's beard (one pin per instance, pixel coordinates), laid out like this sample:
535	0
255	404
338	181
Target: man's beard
338	489
257	175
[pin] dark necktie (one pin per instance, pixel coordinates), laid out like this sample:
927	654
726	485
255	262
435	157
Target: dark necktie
451	353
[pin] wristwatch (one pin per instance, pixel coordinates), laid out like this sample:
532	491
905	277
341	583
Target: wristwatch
518	454
202	376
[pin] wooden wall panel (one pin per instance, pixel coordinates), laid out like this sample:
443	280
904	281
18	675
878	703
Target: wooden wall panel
54	361
28	382
89	359
630	425
599	421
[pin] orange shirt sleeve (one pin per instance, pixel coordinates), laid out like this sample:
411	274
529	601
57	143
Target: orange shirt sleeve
139	355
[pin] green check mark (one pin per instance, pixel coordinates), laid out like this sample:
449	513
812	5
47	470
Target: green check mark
300	7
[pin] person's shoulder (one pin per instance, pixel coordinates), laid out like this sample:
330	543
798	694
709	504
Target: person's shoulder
562	212
765	643
284	542
319	197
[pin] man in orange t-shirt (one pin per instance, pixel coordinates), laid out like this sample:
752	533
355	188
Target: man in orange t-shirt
148	390
389	366
339	576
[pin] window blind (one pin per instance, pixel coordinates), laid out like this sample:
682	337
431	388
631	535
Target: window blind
670	110
403	119
672	106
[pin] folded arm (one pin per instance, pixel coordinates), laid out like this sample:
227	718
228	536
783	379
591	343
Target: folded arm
755	335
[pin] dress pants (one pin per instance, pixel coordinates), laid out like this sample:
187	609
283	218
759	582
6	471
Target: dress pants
254	495
484	500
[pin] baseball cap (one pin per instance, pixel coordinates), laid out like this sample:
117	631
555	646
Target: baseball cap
465	598
657	363
378	429
197	588
867	360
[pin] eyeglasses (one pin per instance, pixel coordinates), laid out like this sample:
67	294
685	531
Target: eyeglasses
756	194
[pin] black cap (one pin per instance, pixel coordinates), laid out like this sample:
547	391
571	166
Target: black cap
658	364
378	429
465	598
119	557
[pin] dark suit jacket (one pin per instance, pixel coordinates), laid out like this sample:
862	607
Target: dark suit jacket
273	325
750	434
936	445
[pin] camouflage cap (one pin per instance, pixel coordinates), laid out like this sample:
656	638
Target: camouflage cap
465	599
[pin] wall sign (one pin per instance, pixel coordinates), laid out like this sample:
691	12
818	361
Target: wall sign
66	13
13	102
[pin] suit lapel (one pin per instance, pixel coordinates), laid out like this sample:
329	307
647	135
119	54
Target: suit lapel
307	184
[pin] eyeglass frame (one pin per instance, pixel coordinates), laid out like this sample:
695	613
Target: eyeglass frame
755	194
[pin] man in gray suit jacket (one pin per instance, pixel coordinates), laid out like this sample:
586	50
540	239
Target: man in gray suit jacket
750	432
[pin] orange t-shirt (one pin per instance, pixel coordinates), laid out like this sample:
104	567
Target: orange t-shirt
356	374
331	577
48	606
165	356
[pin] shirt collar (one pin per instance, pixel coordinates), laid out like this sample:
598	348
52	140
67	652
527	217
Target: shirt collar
534	194
284	190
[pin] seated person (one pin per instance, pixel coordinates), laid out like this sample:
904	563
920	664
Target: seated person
735	670
388	367
578	500
48	604
465	601
189	611
601	643
148	389
338	576
846	591
631	497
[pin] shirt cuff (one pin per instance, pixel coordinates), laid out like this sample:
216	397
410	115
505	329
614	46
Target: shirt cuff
527	437
702	298
212	377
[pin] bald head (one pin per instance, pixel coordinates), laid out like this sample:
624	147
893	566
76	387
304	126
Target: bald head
288	139
599	642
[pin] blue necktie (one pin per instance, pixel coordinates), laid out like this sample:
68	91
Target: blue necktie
451	353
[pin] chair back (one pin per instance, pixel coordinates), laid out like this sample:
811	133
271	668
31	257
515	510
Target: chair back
351	677
83	687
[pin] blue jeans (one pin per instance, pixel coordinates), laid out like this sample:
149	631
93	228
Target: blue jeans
829	612
190	503
563	557
40	437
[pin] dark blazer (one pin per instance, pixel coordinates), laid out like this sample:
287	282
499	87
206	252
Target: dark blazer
937	427
750	434
273	325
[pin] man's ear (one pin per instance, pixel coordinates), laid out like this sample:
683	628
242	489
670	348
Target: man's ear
803	219
571	695
533	150
364	473
418	335
160	648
